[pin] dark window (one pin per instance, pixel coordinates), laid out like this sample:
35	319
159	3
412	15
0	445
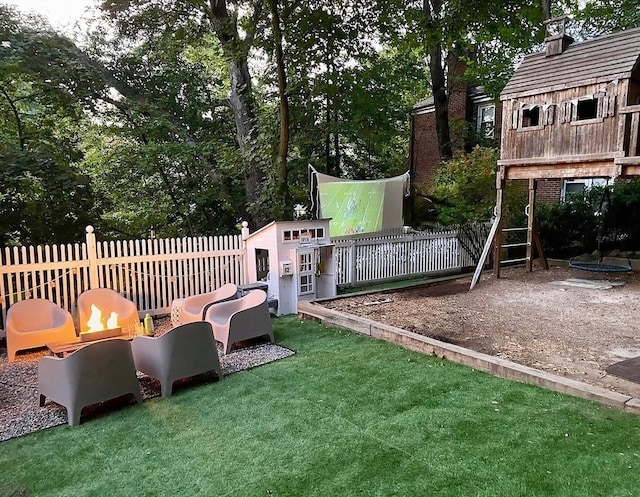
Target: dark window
531	117
587	109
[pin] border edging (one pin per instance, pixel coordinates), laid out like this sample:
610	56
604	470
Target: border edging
477	360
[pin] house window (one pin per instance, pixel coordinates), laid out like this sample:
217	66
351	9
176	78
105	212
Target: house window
587	109
531	117
578	187
486	120
294	235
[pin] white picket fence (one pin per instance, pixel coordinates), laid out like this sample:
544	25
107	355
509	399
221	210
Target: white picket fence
154	272
400	256
151	273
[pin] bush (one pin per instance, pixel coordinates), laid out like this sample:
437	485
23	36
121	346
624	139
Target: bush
571	228
465	187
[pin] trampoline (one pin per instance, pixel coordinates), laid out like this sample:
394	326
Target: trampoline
599	267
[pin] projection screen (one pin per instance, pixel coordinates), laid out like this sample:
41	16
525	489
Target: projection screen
361	206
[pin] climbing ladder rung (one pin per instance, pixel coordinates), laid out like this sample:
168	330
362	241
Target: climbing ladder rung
523	259
506	230
510	245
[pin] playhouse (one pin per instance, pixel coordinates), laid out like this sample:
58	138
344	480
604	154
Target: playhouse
294	260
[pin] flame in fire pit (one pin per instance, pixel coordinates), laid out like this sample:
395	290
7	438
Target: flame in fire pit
96	322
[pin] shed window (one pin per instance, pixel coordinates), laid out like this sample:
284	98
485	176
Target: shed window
587	109
531	117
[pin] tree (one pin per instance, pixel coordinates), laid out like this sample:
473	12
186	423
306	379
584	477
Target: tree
283	209
44	197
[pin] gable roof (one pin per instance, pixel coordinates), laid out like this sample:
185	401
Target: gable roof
596	61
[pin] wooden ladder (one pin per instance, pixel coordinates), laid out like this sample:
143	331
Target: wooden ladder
496	235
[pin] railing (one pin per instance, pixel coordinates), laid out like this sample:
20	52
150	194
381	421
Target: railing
151	273
416	254
631	114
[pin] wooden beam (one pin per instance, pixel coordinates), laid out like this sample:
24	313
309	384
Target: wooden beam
538	242
558	160
595	170
485	252
497	247
530	216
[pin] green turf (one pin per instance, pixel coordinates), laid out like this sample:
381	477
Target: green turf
345	416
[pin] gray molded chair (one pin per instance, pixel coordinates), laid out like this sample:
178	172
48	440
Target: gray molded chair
183	351
34	323
97	372
195	307
240	319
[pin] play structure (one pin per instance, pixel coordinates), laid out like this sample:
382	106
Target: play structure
570	112
291	261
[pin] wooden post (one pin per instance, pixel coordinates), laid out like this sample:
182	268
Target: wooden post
530	220
497	247
92	256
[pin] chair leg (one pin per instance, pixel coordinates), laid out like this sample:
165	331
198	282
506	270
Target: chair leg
218	371
166	388
74	416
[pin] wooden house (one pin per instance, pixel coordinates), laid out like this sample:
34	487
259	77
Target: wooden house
572	111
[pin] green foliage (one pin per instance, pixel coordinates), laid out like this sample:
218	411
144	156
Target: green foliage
575	227
599	17
465	187
567	228
44	197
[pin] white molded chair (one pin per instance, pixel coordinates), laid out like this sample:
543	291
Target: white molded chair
240	319
34	323
195	307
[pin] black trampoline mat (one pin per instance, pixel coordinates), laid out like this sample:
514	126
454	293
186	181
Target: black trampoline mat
628	369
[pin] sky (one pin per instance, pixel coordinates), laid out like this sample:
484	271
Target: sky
60	13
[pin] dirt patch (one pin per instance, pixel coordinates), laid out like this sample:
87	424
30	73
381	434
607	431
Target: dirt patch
527	318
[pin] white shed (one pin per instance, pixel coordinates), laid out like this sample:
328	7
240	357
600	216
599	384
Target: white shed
295	260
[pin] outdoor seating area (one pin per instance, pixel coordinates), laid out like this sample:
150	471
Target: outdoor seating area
195	306
83	370
97	372
34	322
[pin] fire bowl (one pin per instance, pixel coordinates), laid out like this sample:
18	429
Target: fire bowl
89	336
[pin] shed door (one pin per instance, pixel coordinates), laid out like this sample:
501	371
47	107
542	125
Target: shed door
306	272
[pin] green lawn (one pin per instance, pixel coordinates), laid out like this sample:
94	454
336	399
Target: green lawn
345	416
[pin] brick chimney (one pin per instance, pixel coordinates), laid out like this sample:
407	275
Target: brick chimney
557	40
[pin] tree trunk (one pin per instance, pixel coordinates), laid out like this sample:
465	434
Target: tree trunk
546	9
283	205
240	94
432	9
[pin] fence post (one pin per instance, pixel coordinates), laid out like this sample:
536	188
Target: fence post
244	233
92	256
352	262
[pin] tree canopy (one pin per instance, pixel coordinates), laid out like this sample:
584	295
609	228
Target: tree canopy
188	116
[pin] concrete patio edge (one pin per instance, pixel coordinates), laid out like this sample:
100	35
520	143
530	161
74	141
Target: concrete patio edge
477	360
